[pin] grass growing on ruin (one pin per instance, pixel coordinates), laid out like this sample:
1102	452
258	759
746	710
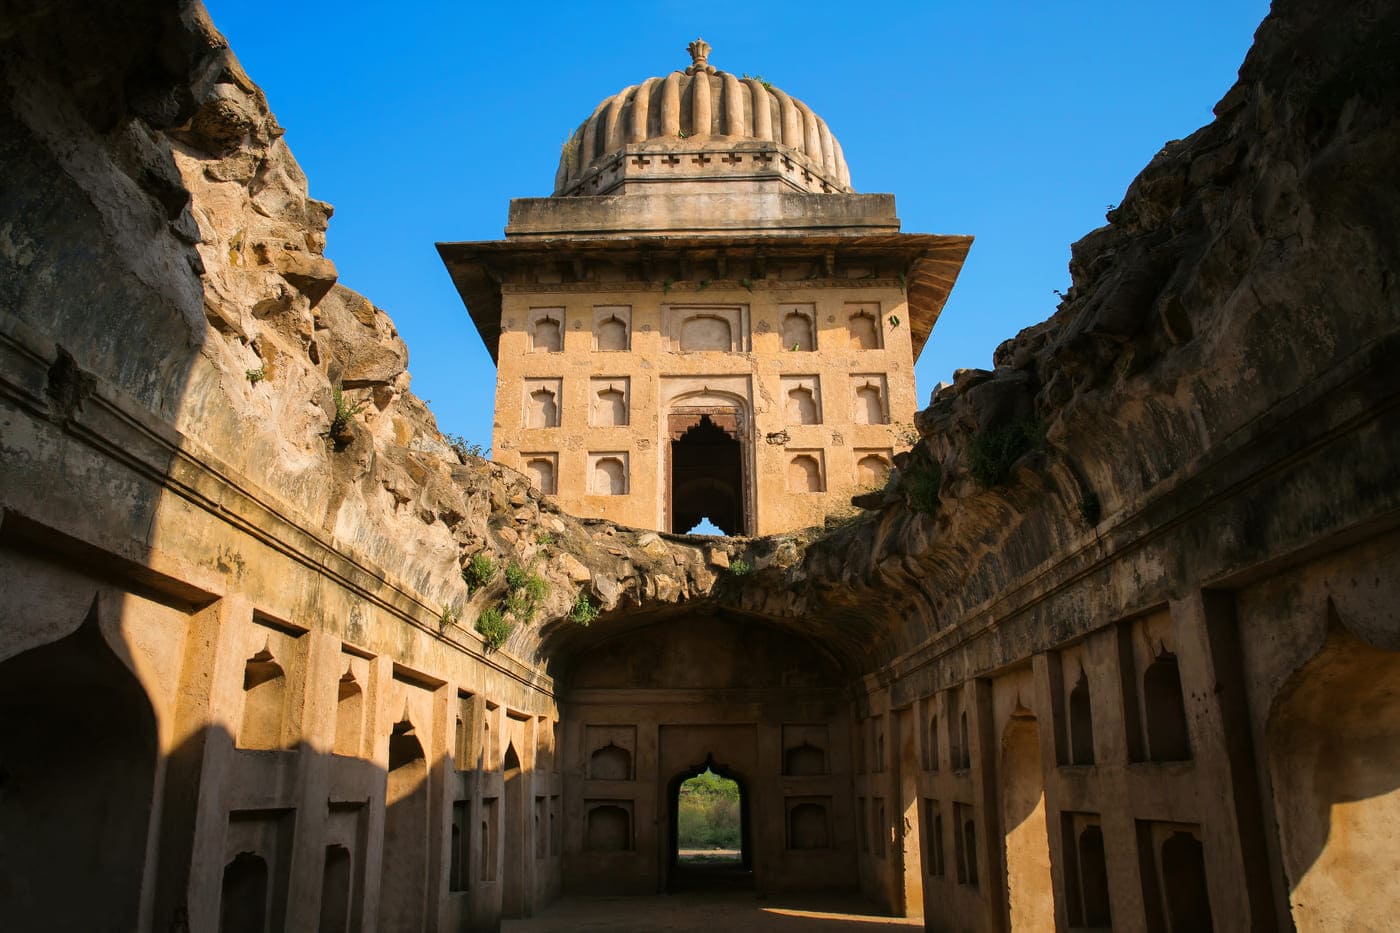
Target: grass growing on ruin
992	453
921	482
493	626
584	611
344	412
740	567
480	570
516	576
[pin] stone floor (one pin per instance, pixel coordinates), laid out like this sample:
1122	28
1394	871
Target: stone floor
711	912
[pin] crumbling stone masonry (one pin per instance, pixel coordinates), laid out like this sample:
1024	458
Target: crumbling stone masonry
1117	646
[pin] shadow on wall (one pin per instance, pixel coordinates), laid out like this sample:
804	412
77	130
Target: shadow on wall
1333	745
89	803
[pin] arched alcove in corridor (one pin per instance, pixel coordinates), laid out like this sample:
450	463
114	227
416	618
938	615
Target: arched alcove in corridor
404	867
77	758
1332	742
707	476
727	867
243	897
514	835
1030	890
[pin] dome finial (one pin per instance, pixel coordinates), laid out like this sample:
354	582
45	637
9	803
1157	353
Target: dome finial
699	53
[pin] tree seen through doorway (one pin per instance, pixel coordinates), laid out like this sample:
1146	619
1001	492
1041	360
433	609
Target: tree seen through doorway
708	819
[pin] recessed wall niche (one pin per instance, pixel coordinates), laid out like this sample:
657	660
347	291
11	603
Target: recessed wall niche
805	749
797	327
808	823
612	328
607	473
542	403
609	400
608	825
863	325
543	470
546	330
610	752
702	328
869	399
806	471
873	467
801	396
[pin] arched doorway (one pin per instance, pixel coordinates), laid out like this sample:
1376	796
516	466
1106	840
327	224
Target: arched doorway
695	870
707	474
77	769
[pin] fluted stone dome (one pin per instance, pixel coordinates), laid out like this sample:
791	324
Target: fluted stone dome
694	128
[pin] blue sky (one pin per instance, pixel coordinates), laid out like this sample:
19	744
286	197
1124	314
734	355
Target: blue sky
1016	122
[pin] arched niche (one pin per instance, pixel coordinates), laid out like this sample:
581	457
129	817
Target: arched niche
1081	723
349	716
1184	894
610	763
864	330
609	828
78	752
805	474
872	470
869	405
335	890
609	476
706	462
243	897
798	333
809	826
701	332
1025	838
264	702
1164	710
542	473
1332	743
404	865
611	334
610	407
547	335
542	409
802	406
804	759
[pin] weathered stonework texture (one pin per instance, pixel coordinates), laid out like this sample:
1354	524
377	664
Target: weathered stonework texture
1118	646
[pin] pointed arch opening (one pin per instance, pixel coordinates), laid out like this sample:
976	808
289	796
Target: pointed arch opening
709	810
707	475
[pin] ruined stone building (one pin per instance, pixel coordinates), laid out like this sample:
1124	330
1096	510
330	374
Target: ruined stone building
704	320
1117	646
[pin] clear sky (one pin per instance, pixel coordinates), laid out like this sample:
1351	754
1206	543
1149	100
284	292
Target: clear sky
1016	122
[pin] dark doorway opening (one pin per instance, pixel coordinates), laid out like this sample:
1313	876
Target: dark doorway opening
707	475
693	869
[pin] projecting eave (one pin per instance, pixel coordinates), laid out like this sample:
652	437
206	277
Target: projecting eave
926	265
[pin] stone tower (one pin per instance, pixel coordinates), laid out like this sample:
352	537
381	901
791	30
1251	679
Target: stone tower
704	320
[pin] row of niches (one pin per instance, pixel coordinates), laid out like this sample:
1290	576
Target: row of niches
610	824
612	751
720	328
610	398
1133	665
608	472
275	682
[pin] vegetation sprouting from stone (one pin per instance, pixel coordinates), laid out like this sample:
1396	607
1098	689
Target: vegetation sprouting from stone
584	611
1090	509
920	482
344	411
707	813
493	626
480	570
256	375
449	616
992	453
465	448
516	576
740	567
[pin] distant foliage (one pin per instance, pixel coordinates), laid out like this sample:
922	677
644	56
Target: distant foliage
991	454
708	813
465	448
